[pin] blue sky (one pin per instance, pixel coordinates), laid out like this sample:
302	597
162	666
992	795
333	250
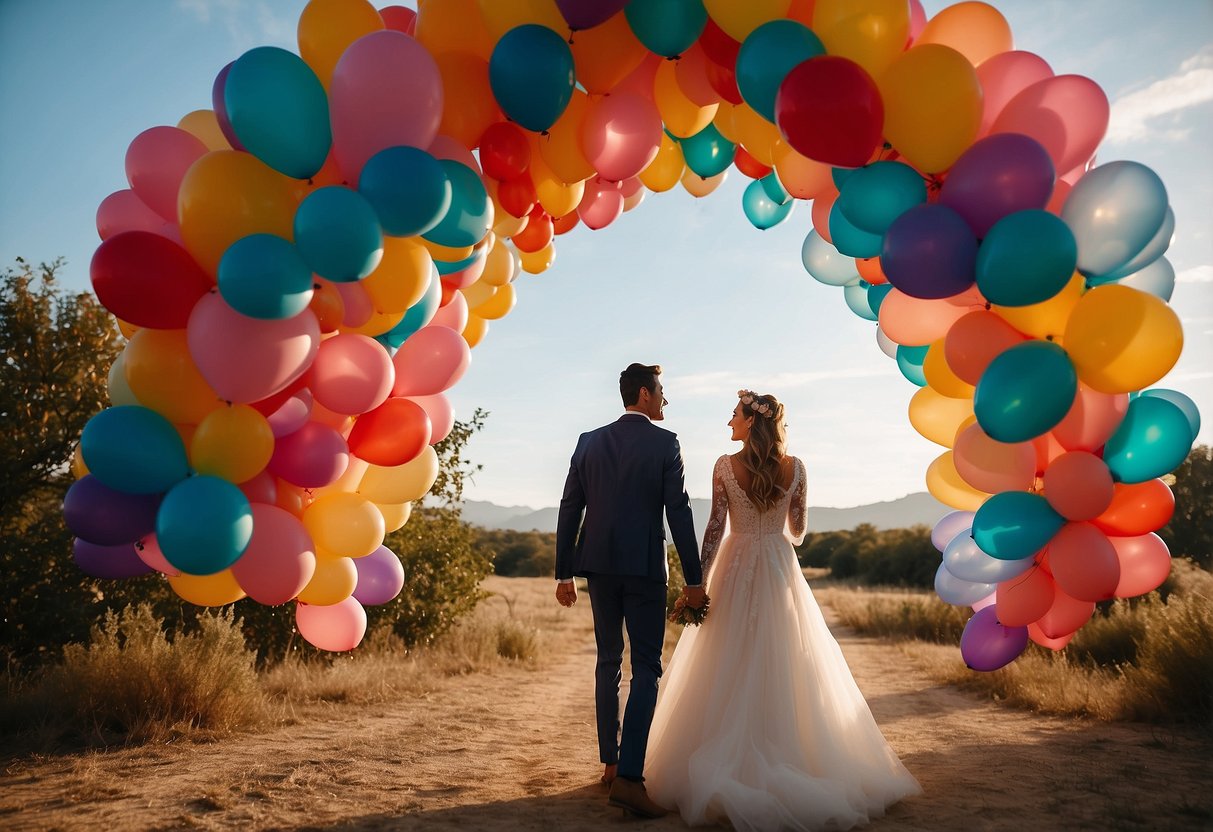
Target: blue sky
682	282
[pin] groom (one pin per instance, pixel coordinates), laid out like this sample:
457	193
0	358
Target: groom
621	477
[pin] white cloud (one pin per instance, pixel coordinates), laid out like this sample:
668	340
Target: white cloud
1196	274
248	23
1153	113
711	383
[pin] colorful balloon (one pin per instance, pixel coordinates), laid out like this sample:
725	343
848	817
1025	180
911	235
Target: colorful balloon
1153	439
134	450
986	644
930	252
204	524
1025	391
1015	524
830	110
531	73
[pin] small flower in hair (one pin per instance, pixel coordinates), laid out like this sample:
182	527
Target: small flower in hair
752	400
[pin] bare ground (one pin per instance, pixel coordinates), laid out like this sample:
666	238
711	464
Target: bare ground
515	749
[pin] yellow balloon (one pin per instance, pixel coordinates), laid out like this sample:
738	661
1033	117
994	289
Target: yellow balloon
667	167
682	116
333	581
538	262
468	106
499	305
757	135
327	27
478	293
227	195
347	482
344	523
502	15
1122	339
499	268
377	324
940	376
163	377
726	121
932	105
445	26
976	30
402	276
394	515
937	417
872	33
698	187
234	443
561	148
204	126
1045	320
447	254
739	19
207	590
401	483
128	330
802	177
946	485
556	197
79	469
477	327
606	54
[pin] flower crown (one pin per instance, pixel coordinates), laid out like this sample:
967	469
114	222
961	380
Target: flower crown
751	400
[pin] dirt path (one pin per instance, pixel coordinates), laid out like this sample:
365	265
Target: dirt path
516	750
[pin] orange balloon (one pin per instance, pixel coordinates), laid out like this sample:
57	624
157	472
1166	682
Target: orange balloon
468	104
475	330
561	148
870	270
1137	508
947	486
976	30
725	121
163	377
914	322
500	17
682	116
976	339
699	187
822	205
667	167
993	466
606	54
498	305
327	27
872	33
757	135
402	276
939	418
445	26
215	590
932	106
536	262
327	305
204	126
941	377
691	72
1046	320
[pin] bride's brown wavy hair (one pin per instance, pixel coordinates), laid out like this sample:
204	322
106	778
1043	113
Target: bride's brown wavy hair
764	450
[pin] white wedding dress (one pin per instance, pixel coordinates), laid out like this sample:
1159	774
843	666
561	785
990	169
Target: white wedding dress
759	721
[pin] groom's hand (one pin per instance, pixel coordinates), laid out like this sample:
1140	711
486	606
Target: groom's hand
566	594
694	596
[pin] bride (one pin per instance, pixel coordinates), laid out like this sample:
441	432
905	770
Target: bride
759	721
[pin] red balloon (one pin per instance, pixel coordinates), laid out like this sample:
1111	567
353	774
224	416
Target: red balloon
829	109
1078	485
1065	616
748	165
724	80
147	280
1024	598
399	18
1137	508
565	224
517	195
392	434
719	47
1084	562
537	233
1145	562
505	152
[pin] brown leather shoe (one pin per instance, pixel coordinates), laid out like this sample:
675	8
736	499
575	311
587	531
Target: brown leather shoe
632	797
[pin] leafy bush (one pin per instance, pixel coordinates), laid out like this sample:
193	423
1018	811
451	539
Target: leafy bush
518	554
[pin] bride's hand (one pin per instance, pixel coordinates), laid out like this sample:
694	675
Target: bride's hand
694	596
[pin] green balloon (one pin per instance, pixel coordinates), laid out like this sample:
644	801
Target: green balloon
1025	391
707	153
1015	524
1027	257
909	361
667	27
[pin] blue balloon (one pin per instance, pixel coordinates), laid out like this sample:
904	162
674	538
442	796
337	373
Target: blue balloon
279	110
1154	249
825	263
952	590
851	240
707	153
337	233
204	524
1153	439
929	252
964	559
910	360
107	517
1025	391
471	212
775	189
417	316
133	449
1027	257
408	189
873	196
1115	210
761	210
666	27
766	57
1015	524
858	298
949	526
263	276
1191	411
1157	279
531	75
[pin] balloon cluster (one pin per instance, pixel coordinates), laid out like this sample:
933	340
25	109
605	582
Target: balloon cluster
302	270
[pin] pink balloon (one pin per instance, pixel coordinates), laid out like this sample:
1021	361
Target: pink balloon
1065	616
1004	76
916	322
280	558
262	488
1047	449
601	203
988	601
148	550
1145	563
445	147
442	415
291	414
386	91
630	187
430	361
992	466
352	374
338	628
467	276
1092	419
1067	114
125	211
356	303
621	135
1025	598
245	359
311	457
156	162
1037	635
1084	562
454	315
1078	485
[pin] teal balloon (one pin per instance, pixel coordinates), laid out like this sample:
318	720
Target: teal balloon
826	263
204	525
1114	210
417	315
470	214
839	177
877	292
337	233
850	239
1026	257
531	75
408	189
263	276
1015	524
858	300
707	153
775	189
1153	439
444	267
761	210
766	57
279	110
1191	411
910	361
1025	391
134	450
666	27
872	197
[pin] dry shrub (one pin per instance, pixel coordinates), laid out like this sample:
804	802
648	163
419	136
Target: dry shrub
897	614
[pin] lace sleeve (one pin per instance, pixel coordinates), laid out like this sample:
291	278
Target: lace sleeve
714	532
798	508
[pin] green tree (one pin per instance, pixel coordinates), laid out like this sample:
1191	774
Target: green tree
1190	532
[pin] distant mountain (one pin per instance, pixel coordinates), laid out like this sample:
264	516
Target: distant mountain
913	509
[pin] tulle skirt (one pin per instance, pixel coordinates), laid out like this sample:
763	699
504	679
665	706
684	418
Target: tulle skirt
759	720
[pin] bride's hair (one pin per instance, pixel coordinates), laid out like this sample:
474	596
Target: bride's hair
765	449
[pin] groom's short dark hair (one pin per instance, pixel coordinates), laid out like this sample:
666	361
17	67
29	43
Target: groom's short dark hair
635	377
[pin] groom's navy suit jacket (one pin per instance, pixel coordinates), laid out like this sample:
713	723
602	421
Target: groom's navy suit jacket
621	478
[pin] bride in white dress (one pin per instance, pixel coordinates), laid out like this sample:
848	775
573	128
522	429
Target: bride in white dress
759	721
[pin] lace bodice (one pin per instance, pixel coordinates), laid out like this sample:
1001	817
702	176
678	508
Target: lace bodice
789	515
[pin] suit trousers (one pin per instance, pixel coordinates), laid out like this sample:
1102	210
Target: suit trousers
639	604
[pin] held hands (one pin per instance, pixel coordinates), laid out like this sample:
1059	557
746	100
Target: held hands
694	596
566	594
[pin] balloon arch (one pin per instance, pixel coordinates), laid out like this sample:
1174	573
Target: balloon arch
302	271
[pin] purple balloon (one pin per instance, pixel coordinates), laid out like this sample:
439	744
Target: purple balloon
311	457
997	176
930	252
987	645
107	517
220	108
949	526
119	561
380	577
586	14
